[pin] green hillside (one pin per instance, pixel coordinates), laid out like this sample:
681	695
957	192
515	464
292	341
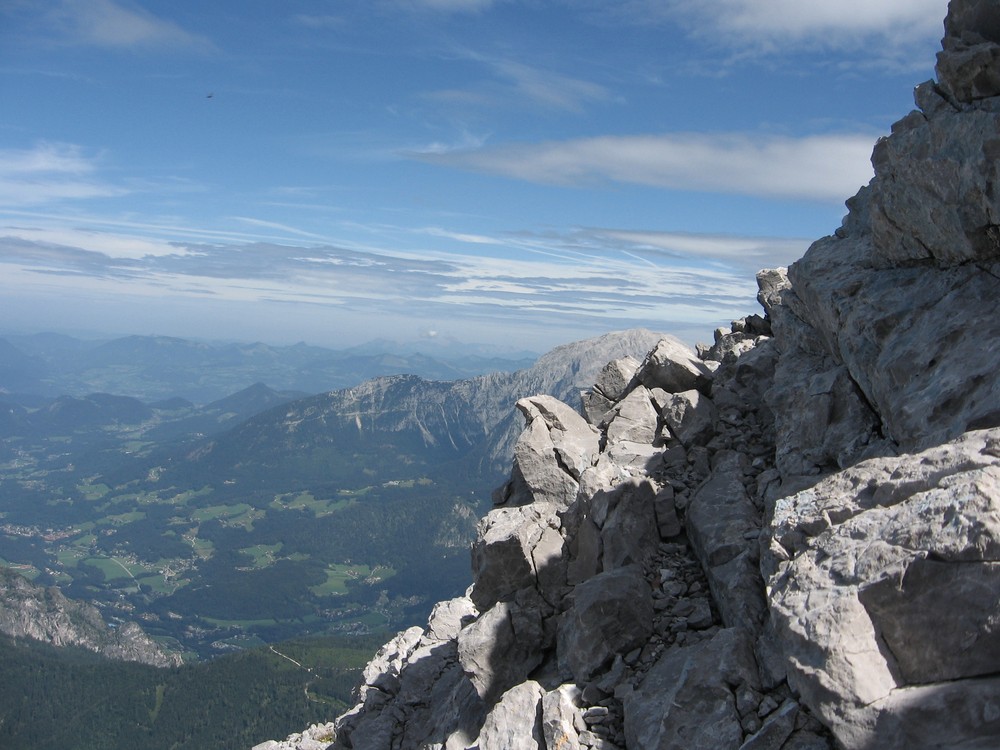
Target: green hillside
52	699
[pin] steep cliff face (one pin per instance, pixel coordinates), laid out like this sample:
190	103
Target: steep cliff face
44	614
790	539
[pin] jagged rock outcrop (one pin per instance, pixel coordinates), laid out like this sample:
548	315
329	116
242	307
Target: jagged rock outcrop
787	540
611	598
46	615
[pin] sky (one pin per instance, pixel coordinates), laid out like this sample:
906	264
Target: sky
515	173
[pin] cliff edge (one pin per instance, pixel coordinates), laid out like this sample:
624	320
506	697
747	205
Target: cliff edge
788	540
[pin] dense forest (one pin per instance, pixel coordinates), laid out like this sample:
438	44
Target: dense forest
54	699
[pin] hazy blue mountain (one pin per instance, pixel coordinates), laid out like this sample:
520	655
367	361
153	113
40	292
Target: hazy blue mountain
391	427
180	417
18	369
154	368
69	414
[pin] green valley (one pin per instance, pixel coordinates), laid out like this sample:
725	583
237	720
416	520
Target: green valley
209	554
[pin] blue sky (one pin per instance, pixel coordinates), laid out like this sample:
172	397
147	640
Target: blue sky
519	173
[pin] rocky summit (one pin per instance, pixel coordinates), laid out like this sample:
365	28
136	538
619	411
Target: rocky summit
789	540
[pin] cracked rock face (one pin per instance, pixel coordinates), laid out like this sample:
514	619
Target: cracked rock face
886	578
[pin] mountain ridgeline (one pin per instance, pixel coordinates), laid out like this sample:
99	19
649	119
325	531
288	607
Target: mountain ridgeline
153	368
402	423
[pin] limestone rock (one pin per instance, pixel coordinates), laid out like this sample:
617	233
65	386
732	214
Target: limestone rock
690	417
612	613
316	737
611	385
560	717
501	648
903	294
515	722
628	524
45	614
822	421
633	419
777	728
674	367
718	521
555	437
862	556
383	671
665	510
448	617
688	698
517	548
969	65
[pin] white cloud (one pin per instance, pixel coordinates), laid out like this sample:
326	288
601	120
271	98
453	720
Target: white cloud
465	237
824	167
519	84
106	23
47	173
44	157
112	245
277	226
550	286
743	250
770	24
550	89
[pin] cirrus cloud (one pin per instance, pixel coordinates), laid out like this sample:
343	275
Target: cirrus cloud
106	23
822	167
50	172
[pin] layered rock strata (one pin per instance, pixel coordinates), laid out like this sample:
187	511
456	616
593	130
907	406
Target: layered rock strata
787	540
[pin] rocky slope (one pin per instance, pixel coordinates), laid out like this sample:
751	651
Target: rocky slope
789	540
44	614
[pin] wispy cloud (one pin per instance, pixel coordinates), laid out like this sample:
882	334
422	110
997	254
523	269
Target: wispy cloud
823	167
122	25
720	246
105	245
461	6
463	142
548	88
840	22
285	228
516	83
50	172
318	21
886	29
748	253
556	285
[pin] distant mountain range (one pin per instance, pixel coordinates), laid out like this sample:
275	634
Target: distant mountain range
267	514
154	368
402	423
